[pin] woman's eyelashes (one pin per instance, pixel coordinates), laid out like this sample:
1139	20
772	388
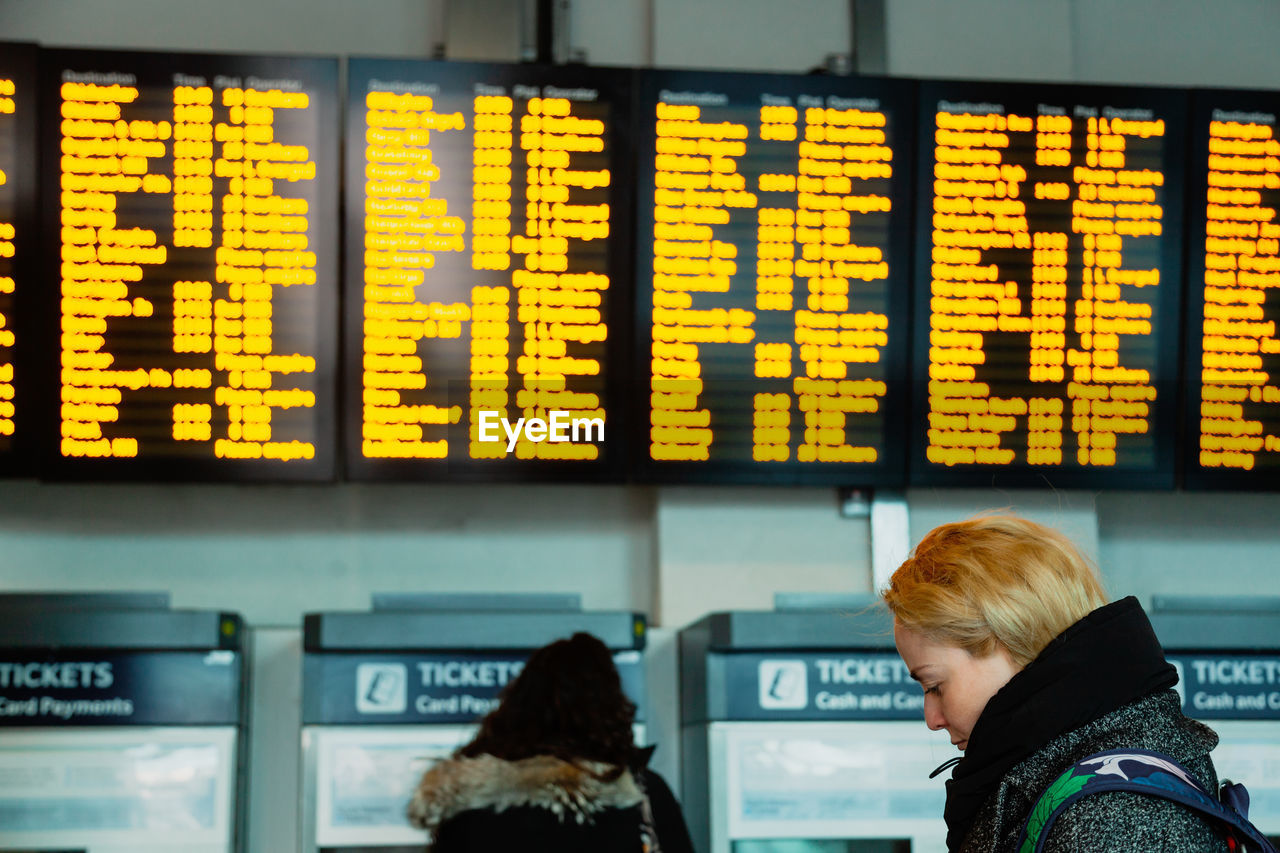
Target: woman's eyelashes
935	689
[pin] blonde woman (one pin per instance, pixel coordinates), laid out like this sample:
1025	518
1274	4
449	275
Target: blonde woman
1029	669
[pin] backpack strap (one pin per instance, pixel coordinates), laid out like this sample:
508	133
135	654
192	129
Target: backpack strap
1141	772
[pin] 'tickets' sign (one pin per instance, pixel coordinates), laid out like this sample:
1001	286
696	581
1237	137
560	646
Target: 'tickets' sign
821	686
113	689
410	688
1229	687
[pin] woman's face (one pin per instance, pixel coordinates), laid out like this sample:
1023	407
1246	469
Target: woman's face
956	684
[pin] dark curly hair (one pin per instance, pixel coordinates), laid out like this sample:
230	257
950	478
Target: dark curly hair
567	702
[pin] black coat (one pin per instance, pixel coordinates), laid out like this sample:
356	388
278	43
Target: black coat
1118	821
542	805
1102	684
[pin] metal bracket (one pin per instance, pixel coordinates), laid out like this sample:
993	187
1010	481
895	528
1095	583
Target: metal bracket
870	52
854	503
890	535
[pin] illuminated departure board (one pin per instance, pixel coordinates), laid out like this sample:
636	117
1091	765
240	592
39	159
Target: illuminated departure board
488	235
772	278
1049	232
17	244
190	205
1232	349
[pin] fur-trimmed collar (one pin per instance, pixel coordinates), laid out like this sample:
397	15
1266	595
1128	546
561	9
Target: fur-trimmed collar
457	785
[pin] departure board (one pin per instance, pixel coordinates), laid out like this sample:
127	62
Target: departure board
191	208
488	234
17	246
772	280
1049	232
1233	299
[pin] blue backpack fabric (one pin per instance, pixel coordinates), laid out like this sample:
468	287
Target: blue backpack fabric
1143	772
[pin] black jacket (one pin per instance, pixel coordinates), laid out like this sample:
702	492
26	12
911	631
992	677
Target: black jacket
541	805
1102	684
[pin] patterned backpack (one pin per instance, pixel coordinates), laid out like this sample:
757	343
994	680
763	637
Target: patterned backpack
1150	773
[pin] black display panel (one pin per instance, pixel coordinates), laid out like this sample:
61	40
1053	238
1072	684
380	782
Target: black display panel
1232	428
18	246
190	282
772	279
488	220
1048	268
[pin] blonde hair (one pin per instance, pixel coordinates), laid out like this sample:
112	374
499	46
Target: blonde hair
995	580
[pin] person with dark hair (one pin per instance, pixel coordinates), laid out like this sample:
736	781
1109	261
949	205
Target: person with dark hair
553	768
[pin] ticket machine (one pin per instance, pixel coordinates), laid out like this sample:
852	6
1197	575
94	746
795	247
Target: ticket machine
123	725
1227	653
803	732
389	691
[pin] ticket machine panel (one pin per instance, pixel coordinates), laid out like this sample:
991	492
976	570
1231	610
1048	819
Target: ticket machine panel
111	790
858	788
